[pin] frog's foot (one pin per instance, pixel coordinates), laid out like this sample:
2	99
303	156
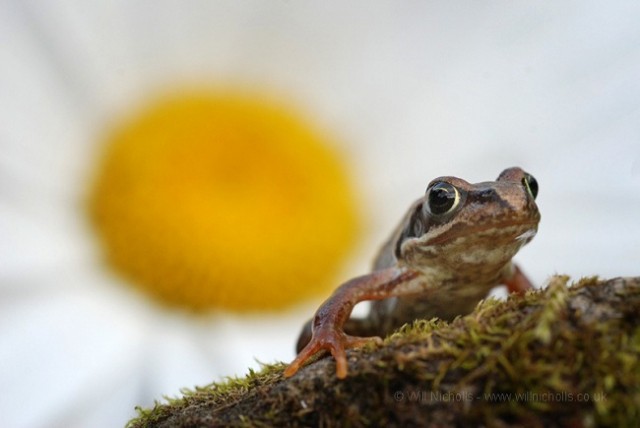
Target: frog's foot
518	282
335	342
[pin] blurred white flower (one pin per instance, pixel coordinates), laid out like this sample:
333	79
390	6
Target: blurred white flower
414	90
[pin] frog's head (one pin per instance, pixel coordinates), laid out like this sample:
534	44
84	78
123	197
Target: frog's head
458	224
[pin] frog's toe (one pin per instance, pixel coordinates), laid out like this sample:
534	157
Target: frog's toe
340	356
306	353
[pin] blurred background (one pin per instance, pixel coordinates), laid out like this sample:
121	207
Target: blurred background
396	93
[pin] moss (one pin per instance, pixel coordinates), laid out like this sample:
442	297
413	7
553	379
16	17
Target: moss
555	357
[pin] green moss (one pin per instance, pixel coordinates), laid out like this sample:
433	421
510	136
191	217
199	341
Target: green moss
555	357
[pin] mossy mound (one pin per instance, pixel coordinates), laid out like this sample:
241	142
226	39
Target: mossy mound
562	356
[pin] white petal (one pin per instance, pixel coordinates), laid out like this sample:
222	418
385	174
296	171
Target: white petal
413	90
60	350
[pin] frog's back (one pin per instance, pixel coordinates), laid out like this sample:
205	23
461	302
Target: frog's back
386	257
383	313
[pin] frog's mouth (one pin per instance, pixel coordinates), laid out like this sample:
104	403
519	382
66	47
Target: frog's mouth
527	236
522	231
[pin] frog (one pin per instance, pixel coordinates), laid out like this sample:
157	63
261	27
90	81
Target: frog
453	246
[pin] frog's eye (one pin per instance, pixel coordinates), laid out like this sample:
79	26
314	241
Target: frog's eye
442	197
531	184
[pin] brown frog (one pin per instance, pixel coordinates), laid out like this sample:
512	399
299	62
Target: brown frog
453	246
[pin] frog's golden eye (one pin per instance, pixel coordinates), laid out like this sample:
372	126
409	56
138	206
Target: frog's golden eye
531	184
442	197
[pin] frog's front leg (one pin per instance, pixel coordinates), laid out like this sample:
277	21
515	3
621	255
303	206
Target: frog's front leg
328	322
516	281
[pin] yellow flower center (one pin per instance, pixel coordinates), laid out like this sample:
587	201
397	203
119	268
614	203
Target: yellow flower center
211	200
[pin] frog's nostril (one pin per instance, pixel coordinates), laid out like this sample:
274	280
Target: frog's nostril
487	193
